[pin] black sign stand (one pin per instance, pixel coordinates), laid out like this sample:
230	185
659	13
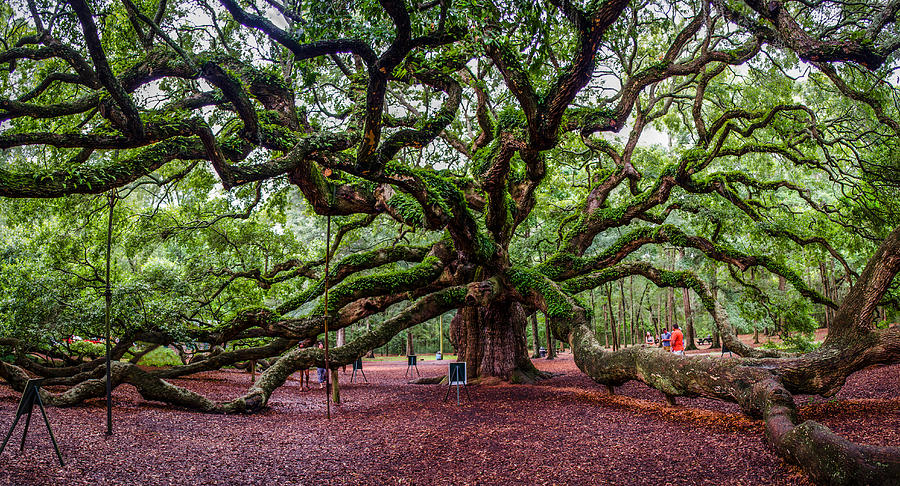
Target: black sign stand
457	377
357	365
26	406
411	363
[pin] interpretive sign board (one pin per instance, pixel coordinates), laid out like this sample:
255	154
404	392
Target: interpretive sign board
357	366
411	364
457	375
31	396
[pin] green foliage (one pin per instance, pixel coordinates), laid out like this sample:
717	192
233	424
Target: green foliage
87	349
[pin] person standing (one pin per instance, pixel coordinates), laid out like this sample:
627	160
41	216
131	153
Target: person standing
320	372
725	349
666	340
304	373
677	340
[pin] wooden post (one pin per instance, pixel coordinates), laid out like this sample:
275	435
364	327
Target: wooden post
335	388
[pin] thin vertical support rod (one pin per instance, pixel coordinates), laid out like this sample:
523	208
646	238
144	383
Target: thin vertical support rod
108	294
40	403
25	432
327	270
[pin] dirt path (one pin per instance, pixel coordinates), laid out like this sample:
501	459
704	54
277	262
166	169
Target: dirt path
565	430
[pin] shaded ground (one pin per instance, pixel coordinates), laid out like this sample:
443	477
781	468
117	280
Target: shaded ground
565	430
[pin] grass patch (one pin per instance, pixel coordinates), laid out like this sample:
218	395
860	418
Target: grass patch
161	356
795	343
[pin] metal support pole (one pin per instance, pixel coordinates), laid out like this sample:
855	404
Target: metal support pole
108	293
327	269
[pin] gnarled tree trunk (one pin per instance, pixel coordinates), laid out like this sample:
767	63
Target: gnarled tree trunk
491	340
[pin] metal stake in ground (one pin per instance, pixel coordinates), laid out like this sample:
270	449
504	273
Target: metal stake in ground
327	265
108	294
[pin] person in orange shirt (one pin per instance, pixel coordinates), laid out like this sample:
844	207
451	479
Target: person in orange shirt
677	340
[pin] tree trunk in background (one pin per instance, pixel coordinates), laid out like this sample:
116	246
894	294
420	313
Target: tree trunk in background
670	293
782	284
826	291
714	290
339	341
631	317
409	344
551	351
534	337
605	333
689	336
655	321
688	320
371	353
491	341
636	310
661	310
755	324
625	333
612	318
670	308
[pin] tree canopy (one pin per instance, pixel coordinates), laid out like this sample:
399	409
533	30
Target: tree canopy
493	158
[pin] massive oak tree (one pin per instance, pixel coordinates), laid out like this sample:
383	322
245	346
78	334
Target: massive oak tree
527	152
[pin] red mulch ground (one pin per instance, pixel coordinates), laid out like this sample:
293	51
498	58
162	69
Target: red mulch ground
565	430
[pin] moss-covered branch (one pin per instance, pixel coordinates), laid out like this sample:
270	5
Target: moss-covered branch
351	264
